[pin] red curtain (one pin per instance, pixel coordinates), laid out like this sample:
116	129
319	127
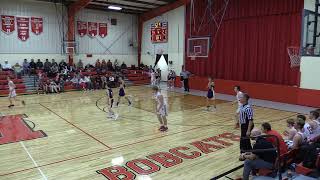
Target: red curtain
252	42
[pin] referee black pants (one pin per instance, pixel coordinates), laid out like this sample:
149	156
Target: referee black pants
245	143
186	84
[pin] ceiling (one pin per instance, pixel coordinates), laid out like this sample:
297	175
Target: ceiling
128	6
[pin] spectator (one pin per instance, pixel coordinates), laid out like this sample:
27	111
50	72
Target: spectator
256	159
98	64
291	132
54	70
25	67
116	65
123	66
7	66
54	63
62	64
158	76
104	66
82	83
98	82
80	64
39	64
93	82
61	84
266	128
17	70
315	126
300	138
54	88
47	66
88	82
75	82
103	81
109	65
0	67
171	78
33	67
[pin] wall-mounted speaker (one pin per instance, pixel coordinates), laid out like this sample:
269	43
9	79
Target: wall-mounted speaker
113	22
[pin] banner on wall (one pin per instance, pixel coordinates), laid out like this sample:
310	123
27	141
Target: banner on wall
159	32
103	30
7	23
82	28
23	28
36	25
92	29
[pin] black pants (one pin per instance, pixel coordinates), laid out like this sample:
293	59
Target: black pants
245	144
186	84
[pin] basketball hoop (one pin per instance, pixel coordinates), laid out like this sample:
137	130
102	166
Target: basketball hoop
295	58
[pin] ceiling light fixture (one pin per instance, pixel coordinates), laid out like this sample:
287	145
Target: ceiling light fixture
115	8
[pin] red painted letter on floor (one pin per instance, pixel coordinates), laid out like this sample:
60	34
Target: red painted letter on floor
165	159
137	166
205	147
175	151
117	173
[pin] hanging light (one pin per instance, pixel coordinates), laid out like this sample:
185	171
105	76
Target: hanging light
114	8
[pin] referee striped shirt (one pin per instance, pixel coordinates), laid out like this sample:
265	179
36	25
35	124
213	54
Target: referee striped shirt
246	114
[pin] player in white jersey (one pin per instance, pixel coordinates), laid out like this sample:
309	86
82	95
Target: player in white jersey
152	77
161	109
239	95
12	93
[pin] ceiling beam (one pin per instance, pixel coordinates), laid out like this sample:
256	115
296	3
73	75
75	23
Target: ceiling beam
143	2
163	9
121	5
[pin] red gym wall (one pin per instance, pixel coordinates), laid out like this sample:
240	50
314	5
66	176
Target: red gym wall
252	42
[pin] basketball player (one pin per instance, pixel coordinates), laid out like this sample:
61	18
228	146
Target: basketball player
110	101
239	95
161	109
12	93
210	94
122	92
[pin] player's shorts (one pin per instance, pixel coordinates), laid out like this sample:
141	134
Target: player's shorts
210	94
163	111
121	92
12	94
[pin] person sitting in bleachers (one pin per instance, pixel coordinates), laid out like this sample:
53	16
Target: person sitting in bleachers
0	67
103	81
109	65
104	67
75	82
6	66
17	70
315	126
39	64
123	66
266	129
33	67
80	64
26	67
116	65
258	160
54	88
98	64
62	64
82	83
291	131
47	66
54	70
88	82
300	138
61	83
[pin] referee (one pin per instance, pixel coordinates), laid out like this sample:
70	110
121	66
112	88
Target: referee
185	77
246	122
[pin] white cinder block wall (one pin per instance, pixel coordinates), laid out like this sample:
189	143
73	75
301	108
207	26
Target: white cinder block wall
49	43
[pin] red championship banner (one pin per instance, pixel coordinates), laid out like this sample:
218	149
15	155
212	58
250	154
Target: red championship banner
23	28
82	28
36	25
103	30
7	23
92	29
159	32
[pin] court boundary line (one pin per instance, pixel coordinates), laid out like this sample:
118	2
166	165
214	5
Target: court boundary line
33	161
70	123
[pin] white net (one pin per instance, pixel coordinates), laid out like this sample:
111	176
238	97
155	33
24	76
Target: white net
295	57
70	47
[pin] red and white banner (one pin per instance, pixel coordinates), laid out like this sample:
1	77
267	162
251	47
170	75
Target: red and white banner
103	30
82	28
7	23
36	25
23	28
92	29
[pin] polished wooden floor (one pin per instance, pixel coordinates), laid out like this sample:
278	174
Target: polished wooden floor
82	141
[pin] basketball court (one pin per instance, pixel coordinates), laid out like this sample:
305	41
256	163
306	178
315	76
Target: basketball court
67	135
